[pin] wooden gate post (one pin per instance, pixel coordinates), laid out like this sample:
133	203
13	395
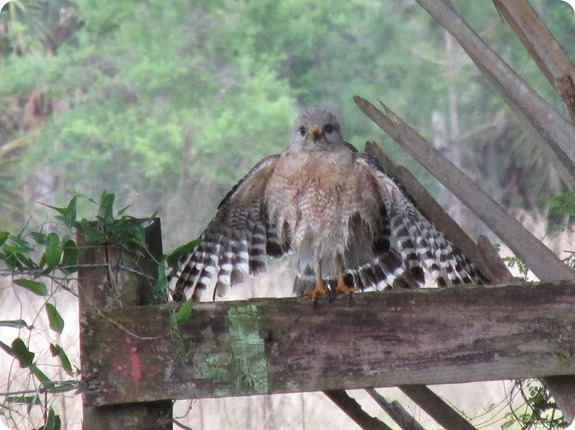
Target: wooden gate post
111	277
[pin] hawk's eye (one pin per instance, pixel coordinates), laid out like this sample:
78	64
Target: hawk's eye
302	130
328	129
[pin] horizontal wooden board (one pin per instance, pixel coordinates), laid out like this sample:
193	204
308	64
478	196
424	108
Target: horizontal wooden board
391	338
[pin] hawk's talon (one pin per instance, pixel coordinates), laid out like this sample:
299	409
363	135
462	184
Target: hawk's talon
344	289
319	290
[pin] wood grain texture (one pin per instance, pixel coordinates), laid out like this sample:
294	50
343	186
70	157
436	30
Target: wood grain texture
391	338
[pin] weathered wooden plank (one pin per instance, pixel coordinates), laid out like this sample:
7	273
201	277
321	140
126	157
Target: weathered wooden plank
389	338
543	47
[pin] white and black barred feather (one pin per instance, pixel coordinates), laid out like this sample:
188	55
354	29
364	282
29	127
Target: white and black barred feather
236	243
420	244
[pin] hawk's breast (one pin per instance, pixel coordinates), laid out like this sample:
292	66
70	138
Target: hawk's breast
313	197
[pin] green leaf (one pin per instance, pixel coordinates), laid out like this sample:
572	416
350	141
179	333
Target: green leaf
27	400
22	244
174	257
92	235
184	312
162	283
22	353
69	257
106	210
53	422
55	319
57	351
14	324
14	253
53	251
38	288
3	237
68	214
39	237
69	217
124	210
7	349
61	211
563	204
26	261
41	376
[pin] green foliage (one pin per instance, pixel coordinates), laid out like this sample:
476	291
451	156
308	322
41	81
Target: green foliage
55	319
110	228
538	411
38	288
58	351
521	266
563	204
20	351
174	257
53	422
184	312
37	261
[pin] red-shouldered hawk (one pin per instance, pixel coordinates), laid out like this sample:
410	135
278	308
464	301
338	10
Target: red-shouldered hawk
350	226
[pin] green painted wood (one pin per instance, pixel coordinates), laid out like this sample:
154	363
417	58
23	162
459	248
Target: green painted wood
389	338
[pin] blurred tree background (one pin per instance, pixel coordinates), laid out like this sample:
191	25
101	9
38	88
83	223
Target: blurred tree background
168	105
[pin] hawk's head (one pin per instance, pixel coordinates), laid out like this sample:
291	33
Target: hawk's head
316	130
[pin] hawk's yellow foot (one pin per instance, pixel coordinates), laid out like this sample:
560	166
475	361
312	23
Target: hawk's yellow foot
319	290
342	288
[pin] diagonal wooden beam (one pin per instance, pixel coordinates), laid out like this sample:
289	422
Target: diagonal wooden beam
540	259
401	417
436	408
355	411
543	47
551	129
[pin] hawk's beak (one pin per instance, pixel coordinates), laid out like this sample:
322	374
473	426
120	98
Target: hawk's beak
315	133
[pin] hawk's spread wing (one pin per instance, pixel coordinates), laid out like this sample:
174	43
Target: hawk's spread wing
237	240
420	244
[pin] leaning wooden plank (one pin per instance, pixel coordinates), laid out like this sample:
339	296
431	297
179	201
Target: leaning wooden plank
540	259
554	131
394	409
354	410
266	346
543	47
436	408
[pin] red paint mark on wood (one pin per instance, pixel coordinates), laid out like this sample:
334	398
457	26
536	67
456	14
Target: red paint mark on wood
135	368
